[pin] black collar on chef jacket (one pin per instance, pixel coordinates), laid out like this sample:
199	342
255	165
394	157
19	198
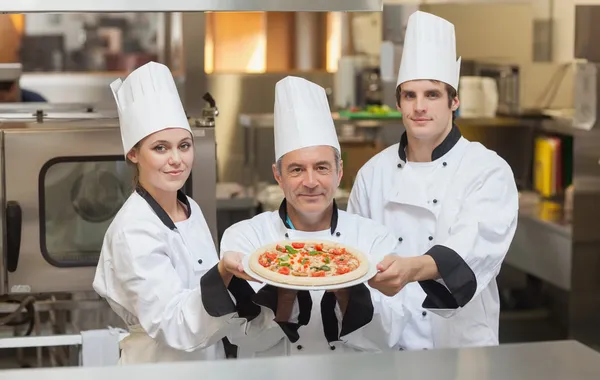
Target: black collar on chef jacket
334	216
439	151
359	310
215	295
160	212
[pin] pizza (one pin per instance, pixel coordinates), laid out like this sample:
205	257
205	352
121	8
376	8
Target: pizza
309	263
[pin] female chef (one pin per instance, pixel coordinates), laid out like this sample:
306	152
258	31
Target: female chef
158	268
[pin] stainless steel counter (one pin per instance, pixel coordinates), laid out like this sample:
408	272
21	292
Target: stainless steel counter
531	361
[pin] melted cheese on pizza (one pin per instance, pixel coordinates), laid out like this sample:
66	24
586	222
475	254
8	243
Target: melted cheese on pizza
309	260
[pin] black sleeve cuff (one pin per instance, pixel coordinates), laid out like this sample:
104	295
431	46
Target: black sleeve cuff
457	275
243	293
215	297
267	297
359	312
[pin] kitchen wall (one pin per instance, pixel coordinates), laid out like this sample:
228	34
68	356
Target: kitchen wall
564	30
560	13
482	31
253	93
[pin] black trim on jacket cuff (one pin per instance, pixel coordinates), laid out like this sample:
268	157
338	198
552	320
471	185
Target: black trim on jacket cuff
243	292
459	278
267	297
328	317
359	312
215	297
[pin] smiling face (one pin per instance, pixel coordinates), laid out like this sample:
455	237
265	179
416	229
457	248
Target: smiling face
309	178
426	108
164	159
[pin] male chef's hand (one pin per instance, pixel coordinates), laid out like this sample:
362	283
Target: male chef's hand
231	265
395	272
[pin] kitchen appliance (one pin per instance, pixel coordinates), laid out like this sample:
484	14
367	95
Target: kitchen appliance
478	97
10	73
531	87
369	91
64	177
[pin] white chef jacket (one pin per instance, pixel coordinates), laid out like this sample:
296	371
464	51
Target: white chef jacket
461	209
373	322
162	279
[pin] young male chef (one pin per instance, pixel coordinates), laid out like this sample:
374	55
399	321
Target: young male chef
308	169
451	203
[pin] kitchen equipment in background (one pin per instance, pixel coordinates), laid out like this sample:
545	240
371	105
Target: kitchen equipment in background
478	97
10	73
366	33
344	83
546	172
43	53
553	165
369	91
356	83
356	153
58	203
530	87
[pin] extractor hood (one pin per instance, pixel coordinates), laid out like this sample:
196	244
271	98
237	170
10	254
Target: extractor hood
66	6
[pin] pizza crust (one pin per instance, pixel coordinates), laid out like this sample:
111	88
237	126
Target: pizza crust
267	274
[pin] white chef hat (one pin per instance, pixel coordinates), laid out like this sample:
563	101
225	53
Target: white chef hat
302	116
148	102
429	50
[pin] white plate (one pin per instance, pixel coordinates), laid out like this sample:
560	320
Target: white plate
370	274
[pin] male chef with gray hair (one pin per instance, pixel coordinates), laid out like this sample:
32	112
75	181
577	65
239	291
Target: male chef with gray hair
451	203
308	169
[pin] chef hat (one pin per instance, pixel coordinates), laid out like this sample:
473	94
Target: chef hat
148	102
302	116
429	50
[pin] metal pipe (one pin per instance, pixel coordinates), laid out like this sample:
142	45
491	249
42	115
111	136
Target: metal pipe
109	6
306	36
196	80
166	47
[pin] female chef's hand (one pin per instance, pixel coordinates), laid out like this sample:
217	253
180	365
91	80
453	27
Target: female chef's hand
231	265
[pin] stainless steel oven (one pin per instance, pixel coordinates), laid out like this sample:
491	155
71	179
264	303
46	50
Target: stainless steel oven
63	179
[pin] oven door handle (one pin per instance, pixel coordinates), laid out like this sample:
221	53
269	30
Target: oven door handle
13	234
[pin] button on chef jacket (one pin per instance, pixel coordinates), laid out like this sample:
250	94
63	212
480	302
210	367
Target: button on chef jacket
461	209
372	322
161	278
